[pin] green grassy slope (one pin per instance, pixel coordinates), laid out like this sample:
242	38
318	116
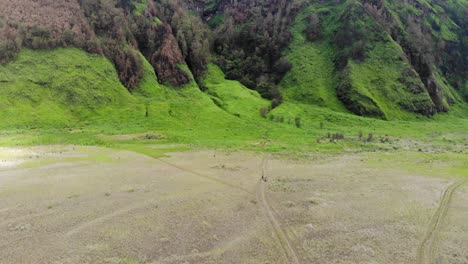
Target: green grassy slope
438	19
68	88
312	78
383	84
232	96
379	78
57	88
71	97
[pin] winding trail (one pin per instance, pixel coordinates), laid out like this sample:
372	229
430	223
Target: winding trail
425	251
288	250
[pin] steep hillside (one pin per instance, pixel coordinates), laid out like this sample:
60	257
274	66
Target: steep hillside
164	32
372	71
311	79
71	89
67	96
390	59
57	88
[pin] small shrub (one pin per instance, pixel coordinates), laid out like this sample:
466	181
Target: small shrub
279	119
150	137
313	30
370	137
384	139
337	136
297	121
275	102
263	112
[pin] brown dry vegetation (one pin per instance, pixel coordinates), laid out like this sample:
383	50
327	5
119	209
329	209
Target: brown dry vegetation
105	27
42	24
165	60
56	17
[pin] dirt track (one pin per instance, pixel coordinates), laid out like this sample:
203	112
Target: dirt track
288	250
426	251
75	205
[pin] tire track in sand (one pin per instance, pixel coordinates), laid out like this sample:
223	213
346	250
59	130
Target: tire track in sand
426	250
288	250
103	218
204	176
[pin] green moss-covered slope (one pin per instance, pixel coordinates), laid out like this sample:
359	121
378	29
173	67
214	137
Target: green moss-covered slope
363	53
57	88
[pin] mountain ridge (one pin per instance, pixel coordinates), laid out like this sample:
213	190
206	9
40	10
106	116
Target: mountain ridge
383	59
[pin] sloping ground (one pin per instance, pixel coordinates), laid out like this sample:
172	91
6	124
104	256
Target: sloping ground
57	88
354	58
232	96
381	78
312	78
73	97
69	87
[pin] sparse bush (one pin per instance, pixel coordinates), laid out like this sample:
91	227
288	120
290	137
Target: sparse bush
279	119
68	38
275	102
370	137
281	67
384	139
313	30
150	137
9	45
337	136
297	121
263	112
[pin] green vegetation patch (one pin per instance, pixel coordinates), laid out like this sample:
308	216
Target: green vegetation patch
66	96
57	88
232	96
388	80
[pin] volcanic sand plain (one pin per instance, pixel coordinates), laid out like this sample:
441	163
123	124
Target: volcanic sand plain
70	204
